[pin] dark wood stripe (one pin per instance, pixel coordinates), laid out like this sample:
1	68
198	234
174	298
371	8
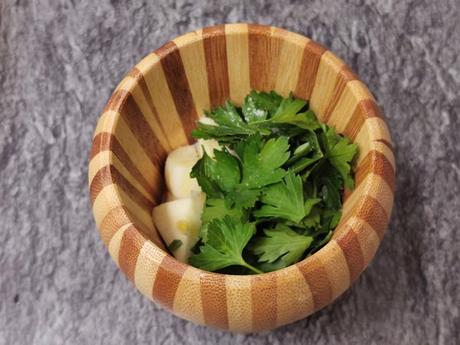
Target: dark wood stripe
167	281
345	75
348	192
376	162
264	301
130	247
176	78
137	74
108	175
352	251
365	109
115	101
316	277
215	50
112	222
264	52
140	128
387	143
374	214
308	69
105	141
214	299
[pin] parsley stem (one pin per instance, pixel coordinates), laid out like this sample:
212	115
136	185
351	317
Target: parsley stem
252	268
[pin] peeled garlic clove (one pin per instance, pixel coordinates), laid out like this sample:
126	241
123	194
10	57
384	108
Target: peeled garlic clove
177	171
180	220
209	145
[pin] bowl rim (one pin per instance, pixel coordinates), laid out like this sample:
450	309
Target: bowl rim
187	39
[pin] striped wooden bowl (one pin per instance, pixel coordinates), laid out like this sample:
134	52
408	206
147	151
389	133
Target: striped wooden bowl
154	109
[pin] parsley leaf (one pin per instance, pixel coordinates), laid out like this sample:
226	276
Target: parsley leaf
281	243
226	240
340	152
286	175
260	105
230	126
204	170
284	200
174	245
226	170
245	198
302	159
328	183
217	209
261	162
288	112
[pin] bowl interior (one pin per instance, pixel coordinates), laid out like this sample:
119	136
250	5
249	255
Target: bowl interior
154	109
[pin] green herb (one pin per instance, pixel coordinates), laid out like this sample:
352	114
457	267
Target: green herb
281	243
226	240
274	192
174	245
284	200
261	161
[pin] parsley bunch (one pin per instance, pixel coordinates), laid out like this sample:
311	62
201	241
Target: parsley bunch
274	191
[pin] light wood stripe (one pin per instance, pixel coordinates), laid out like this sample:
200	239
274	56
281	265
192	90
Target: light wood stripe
115	242
372	212
368	239
107	150
113	221
263	57
111	197
308	70
317	279
115	101
351	248
215	49
238	61
141	129
153	111
239	303
365	109
345	76
327	77
130	147
106	158
148	261
291	54
374	128
187	301
345	112
386	142
336	267
373	186
163	100
106	123
176	79
214	298
167	280
375	162
264	301
294	298
192	54
108	175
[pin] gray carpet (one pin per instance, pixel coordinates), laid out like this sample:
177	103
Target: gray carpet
60	60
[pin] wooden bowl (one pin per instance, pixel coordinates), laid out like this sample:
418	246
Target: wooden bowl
154	109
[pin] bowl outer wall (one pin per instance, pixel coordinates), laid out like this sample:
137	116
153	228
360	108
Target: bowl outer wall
154	109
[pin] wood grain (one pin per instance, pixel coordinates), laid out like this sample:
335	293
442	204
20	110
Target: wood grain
153	110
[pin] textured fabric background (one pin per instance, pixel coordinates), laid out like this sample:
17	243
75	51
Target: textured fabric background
59	62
